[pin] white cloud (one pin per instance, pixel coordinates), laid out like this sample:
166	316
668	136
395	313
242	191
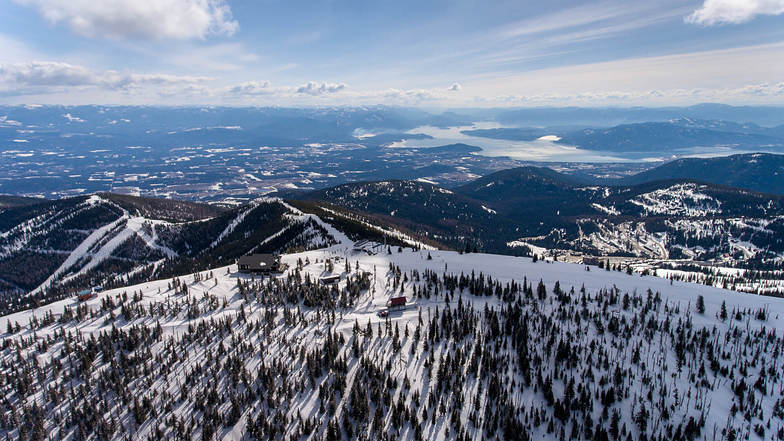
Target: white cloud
744	75
46	73
715	70
313	88
148	19
715	12
408	96
255	92
264	88
762	93
252	88
50	76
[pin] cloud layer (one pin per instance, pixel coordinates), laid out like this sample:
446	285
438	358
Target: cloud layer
313	88
715	12
252	88
750	75
145	19
49	76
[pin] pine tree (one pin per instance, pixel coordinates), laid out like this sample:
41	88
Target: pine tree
541	291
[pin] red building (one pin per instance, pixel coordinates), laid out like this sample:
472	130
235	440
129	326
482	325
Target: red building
397	302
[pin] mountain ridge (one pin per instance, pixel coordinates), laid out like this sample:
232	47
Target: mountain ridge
763	172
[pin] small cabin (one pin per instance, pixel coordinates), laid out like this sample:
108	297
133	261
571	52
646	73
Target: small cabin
258	264
330	280
84	295
397	302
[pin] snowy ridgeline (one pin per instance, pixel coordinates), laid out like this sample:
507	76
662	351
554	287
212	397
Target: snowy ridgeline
82	242
482	350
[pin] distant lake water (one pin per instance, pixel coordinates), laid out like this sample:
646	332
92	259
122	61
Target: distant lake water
546	149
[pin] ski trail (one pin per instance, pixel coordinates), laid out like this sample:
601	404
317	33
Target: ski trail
337	235
81	250
269	239
233	224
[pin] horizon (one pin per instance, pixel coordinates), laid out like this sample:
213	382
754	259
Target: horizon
33	105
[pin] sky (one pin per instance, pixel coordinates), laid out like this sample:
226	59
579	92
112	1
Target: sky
434	54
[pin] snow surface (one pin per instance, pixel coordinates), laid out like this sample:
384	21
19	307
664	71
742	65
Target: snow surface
677	295
678	200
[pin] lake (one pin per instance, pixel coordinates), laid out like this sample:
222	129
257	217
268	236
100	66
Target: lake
544	149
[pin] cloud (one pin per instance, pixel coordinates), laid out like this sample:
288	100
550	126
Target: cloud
46	73
761	90
711	70
144	19
313	88
409	96
455	87
747	93
50	76
263	92
715	12
252	88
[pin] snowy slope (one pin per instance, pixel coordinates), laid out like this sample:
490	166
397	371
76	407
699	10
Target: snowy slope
684	199
477	353
103	241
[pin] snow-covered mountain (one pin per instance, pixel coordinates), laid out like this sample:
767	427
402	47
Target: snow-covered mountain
664	224
486	347
53	248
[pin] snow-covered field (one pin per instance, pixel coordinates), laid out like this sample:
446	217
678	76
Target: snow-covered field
482	350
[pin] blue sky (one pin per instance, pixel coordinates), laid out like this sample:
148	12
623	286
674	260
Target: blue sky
432	54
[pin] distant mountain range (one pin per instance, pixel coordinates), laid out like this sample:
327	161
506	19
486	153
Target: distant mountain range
509	133
665	137
611	116
761	172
